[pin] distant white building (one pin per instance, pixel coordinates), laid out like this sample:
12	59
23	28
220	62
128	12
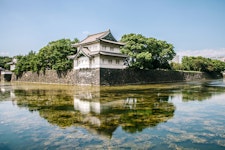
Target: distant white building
219	58
99	50
12	64
176	59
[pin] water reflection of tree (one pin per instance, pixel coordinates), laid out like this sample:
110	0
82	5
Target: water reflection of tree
139	119
54	106
200	92
6	92
134	110
4	95
139	109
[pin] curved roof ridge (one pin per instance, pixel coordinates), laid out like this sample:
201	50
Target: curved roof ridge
99	33
105	33
94	37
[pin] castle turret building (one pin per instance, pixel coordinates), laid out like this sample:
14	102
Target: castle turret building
99	50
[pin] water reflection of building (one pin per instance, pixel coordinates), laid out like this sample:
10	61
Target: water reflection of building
90	105
100	111
98	115
103	114
7	92
86	105
7	89
130	103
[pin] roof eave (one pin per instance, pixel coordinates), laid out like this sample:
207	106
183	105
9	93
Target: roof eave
83	44
114	54
105	34
71	56
113	42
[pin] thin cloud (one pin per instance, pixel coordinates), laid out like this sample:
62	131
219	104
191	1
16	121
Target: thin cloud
4	53
204	53
86	33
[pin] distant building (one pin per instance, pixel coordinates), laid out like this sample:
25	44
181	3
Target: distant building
219	58
99	50
12	64
6	76
1	69
176	59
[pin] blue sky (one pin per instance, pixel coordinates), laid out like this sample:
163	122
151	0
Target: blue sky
194	27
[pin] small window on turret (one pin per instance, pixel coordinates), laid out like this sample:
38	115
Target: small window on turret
104	48
110	61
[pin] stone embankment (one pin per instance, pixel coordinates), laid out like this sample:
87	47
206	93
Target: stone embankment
112	77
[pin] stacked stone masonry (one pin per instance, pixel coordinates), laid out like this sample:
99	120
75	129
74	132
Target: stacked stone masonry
111	77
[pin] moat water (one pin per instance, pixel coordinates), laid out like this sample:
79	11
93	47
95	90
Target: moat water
159	116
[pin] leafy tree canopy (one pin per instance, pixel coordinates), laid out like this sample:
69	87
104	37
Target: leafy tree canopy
202	64
25	63
3	62
52	56
147	53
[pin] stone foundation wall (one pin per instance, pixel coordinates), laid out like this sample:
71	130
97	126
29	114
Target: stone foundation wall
81	77
111	77
87	77
129	76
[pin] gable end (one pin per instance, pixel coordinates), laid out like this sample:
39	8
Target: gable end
109	37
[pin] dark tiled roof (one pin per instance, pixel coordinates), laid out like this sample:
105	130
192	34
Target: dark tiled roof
92	38
85	51
103	36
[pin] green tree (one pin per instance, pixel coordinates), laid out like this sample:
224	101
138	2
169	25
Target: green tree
147	53
216	66
3	62
54	55
26	63
176	66
202	64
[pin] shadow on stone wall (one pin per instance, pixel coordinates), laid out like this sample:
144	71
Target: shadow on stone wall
5	77
131	76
